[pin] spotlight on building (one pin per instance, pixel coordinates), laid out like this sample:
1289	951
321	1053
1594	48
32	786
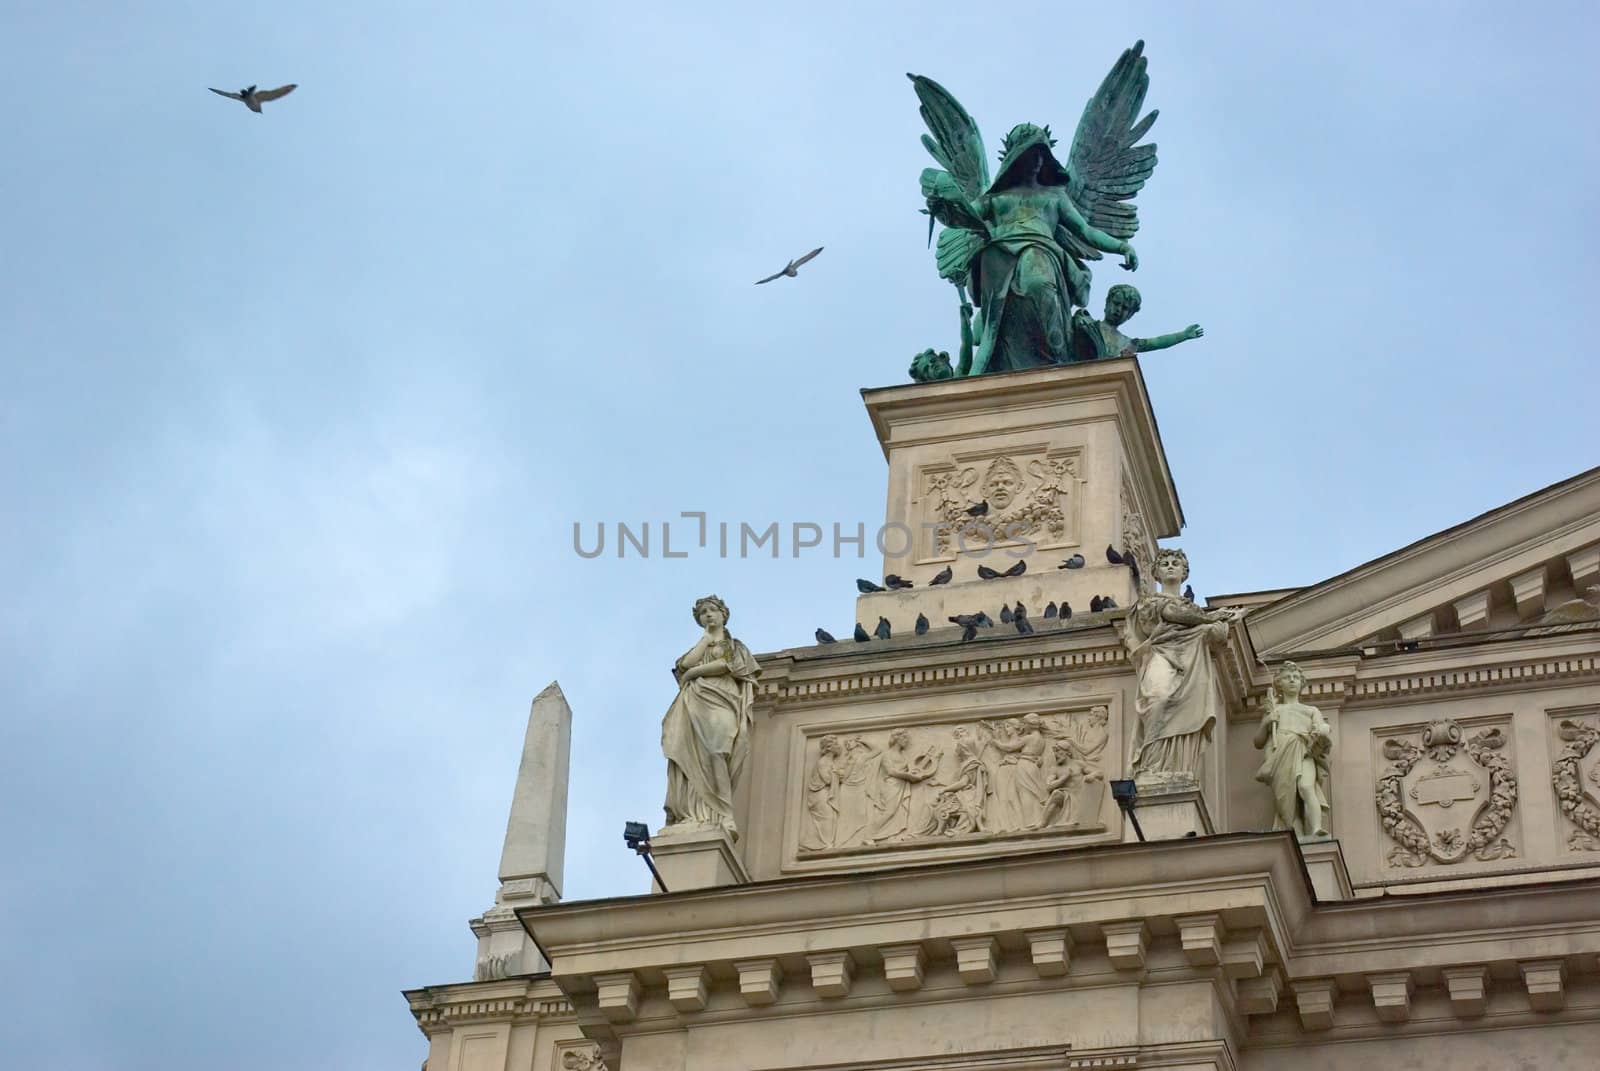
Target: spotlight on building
1126	793
636	835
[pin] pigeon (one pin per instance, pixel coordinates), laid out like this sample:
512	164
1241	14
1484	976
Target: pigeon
1005	615
1096	604
942	577
896	583
789	269
1017	569
1020	619
979	510
1113	557
867	587
861	634
1188	592
984	619
922	624
254	98
1074	562
1066	610
882	631
986	573
969	624
1050	610
823	636
1108	603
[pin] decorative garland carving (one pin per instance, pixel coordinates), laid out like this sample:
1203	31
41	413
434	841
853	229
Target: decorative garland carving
1443	785
1567	777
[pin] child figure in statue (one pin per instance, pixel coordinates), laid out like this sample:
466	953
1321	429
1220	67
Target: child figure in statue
1093	339
1296	740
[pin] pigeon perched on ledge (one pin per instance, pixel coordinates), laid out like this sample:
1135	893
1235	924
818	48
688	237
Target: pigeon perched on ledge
942	577
823	636
867	587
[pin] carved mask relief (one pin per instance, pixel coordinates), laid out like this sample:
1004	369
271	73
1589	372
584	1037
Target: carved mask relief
1031	495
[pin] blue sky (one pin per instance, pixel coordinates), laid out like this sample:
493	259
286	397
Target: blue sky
299	409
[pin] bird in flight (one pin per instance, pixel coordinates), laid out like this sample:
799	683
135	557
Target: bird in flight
790	269
254	98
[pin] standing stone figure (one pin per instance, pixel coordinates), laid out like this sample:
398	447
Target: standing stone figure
1168	639
705	734
1295	740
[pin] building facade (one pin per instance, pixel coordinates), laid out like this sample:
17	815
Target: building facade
1365	828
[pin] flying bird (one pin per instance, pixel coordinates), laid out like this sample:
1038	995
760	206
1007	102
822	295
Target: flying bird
882	631
867	587
896	583
861	634
941	577
1074	562
823	636
922	624
789	269
254	98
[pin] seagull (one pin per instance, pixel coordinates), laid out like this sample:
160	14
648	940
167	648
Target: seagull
882	631
253	98
922	624
942	576
789	269
896	583
824	636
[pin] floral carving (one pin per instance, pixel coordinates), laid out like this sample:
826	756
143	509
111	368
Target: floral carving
1035	773
1135	536
1440	783
583	1059
1567	777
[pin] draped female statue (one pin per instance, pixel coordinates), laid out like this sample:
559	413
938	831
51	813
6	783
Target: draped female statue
1295	740
705	734
1177	703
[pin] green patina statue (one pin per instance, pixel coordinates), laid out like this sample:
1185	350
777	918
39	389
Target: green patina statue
1092	339
1018	245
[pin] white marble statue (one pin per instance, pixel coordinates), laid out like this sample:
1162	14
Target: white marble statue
1295	740
1177	703
705	734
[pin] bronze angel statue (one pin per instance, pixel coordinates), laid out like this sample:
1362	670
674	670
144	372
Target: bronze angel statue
1019	244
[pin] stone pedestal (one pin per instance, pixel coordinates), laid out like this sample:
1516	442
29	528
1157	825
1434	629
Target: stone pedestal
1169	808
1068	461
696	858
1325	863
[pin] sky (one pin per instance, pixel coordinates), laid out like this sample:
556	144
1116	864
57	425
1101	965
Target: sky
298	412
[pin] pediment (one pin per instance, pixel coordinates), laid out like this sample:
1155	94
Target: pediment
1530	563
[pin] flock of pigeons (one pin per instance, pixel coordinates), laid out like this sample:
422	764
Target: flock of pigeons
1015	616
253	98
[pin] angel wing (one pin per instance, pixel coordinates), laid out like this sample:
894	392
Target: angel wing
274	94
957	247
225	93
1107	166
955	142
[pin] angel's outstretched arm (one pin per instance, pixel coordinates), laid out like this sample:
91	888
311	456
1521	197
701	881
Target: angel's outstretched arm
1094	236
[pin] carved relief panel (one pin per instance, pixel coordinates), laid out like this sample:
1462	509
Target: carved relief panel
1446	792
930	784
1031	493
579	1056
1135	536
1575	776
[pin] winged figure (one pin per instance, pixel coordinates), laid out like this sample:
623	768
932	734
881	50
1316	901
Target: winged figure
1019	243
253	98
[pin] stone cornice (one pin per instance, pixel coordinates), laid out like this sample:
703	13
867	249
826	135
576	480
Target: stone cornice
922	664
1436	569
526	999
